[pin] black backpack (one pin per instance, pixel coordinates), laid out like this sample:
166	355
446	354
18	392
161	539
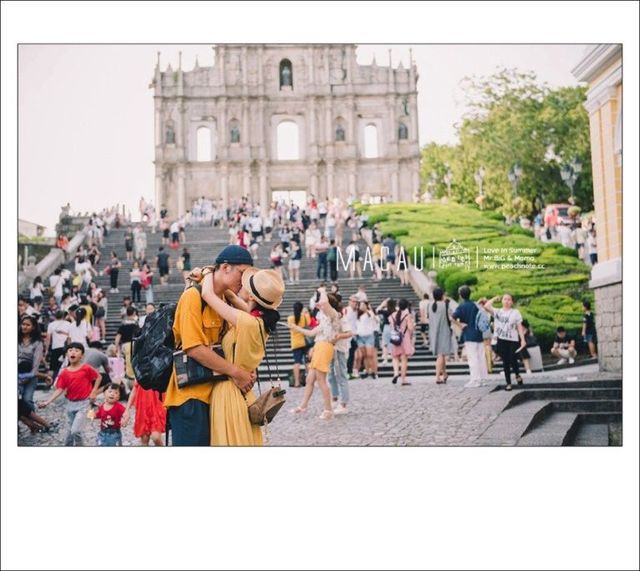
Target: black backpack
153	348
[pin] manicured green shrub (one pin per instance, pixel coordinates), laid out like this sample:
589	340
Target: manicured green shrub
549	294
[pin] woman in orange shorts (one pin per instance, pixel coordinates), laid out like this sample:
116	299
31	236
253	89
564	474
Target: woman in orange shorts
325	334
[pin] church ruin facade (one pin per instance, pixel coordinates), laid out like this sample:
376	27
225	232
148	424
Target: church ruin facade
285	121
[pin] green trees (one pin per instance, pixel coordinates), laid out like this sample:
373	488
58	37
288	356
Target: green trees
512	119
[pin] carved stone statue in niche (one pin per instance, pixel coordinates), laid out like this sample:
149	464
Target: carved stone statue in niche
405	106
403	132
170	137
235	134
340	136
285	76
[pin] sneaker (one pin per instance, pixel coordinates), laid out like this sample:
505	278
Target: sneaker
352	377
571	360
340	410
562	361
364	375
472	385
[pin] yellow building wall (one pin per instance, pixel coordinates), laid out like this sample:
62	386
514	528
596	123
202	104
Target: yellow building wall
607	179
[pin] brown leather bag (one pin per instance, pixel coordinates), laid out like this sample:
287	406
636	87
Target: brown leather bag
267	405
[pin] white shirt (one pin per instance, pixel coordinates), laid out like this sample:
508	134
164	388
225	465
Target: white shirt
56	283
351	315
362	296
175	228
366	325
423	311
343	345
79	333
256	224
506	324
58	330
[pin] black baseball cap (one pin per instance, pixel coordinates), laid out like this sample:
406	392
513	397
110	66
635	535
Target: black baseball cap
235	255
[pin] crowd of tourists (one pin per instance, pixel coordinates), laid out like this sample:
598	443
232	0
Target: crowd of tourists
62	324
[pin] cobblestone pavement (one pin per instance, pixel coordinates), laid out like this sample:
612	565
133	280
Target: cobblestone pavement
380	414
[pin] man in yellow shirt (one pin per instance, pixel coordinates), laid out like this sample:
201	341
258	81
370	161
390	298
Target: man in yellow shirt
195	331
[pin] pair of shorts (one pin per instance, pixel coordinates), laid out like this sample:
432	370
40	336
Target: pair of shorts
110	437
424	327
294	264
300	355
163	270
366	340
165	233
590	338
322	356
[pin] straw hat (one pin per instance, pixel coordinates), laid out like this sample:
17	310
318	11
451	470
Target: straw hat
266	286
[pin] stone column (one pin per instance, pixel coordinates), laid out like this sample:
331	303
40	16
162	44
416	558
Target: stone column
222	128
413	109
314	182
224	186
311	80
394	183
352	181
159	188
263	190
158	121
330	175
328	128
260	72
246	183
244	132
182	196
262	148
351	118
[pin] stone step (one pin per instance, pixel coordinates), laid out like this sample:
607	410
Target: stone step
556	430
591	434
596	405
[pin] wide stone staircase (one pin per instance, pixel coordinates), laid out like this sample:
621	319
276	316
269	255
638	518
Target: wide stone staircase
579	413
205	242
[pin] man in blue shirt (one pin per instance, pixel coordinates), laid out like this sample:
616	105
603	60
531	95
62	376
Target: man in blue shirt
467	316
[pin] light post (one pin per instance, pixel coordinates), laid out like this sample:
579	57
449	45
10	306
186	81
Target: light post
479	177
515	174
569	173
448	179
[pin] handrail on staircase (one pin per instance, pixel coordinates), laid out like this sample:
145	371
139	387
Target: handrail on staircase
52	260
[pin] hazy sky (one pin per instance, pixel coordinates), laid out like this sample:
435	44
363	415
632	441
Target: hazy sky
86	111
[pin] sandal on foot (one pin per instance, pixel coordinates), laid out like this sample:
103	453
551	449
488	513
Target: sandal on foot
298	410
444	379
519	379
326	415
404	384
395	379
508	388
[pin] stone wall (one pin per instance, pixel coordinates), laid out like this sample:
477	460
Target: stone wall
608	312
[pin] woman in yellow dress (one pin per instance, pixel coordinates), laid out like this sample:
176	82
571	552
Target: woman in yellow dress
244	345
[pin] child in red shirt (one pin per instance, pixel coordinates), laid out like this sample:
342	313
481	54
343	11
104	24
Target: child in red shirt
110	414
79	383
